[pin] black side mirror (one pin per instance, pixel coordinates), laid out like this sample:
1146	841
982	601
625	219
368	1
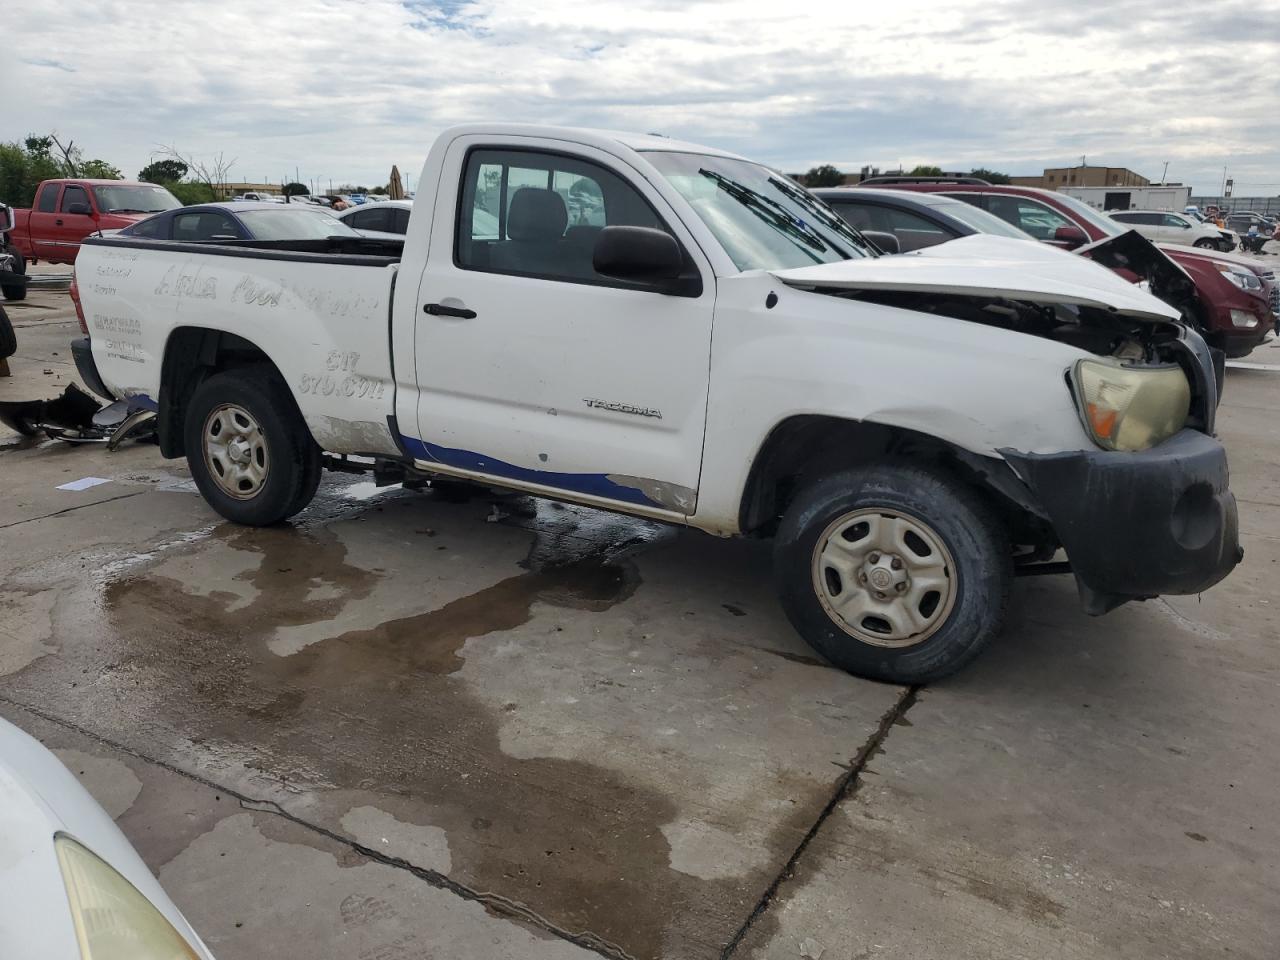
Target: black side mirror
637	253
1070	237
882	241
6	219
79	208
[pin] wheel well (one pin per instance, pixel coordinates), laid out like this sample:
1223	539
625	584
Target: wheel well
803	449
191	355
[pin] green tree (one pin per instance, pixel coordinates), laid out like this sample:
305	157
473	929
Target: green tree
296	189
991	176
23	166
379	191
163	171
99	170
925	171
823	176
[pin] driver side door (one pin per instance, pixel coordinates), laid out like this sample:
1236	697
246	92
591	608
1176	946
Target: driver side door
530	365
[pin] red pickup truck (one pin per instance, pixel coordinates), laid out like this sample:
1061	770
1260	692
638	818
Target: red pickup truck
67	211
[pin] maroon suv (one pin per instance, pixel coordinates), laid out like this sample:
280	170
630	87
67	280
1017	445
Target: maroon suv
1234	301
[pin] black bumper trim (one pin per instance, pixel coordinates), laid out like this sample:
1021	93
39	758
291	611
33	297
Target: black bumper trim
1134	525
82	351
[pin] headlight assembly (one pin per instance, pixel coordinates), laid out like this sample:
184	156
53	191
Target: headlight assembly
113	920
1242	277
1130	408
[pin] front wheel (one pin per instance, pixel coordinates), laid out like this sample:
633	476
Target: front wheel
1204	243
894	572
249	449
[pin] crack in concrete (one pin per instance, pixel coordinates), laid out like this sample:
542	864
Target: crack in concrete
493	901
81	506
845	788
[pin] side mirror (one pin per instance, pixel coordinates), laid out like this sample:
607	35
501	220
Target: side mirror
6	219
882	241
642	254
1070	237
79	208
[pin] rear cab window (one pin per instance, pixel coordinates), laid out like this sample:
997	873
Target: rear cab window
48	201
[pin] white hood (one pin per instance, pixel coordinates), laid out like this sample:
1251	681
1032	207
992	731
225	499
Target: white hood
989	266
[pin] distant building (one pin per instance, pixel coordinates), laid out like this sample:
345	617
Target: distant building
237	189
1055	178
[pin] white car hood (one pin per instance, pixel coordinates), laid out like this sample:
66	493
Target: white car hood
989	266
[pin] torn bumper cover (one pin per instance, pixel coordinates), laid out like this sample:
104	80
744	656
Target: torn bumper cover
82	351
1137	525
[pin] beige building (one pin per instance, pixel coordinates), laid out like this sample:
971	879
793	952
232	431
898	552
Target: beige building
1055	178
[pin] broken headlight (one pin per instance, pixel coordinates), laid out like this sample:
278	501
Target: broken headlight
113	921
1130	408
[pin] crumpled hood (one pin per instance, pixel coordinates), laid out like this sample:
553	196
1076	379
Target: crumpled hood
989	266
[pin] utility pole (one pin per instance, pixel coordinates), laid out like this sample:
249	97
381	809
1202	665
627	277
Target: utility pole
1164	177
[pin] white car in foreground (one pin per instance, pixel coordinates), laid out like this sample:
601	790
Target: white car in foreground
73	887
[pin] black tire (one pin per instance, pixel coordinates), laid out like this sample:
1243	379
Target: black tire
1204	243
19	262
293	460
8	339
965	526
12	291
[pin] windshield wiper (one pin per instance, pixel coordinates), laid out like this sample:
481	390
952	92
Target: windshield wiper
129	210
770	211
831	221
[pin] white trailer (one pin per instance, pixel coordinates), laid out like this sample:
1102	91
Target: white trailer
1174	198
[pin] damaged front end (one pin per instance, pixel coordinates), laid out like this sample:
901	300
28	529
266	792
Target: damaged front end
1146	509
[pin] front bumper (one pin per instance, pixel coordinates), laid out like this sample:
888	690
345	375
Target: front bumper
1137	525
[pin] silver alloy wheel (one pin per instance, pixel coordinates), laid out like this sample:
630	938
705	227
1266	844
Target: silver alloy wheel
235	451
884	577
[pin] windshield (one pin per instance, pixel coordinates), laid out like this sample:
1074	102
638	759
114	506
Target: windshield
1082	211
981	220
293	224
135	198
762	219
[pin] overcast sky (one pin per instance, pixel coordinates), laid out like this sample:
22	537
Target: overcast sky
342	89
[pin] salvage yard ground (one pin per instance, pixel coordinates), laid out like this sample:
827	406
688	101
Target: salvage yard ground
406	726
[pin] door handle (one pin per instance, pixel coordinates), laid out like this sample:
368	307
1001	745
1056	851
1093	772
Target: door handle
58	222
440	310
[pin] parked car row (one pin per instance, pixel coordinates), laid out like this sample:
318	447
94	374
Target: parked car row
1233	301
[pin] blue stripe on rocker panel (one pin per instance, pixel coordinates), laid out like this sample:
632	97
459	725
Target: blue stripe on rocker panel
594	484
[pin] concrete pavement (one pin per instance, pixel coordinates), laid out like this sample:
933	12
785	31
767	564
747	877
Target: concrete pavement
405	726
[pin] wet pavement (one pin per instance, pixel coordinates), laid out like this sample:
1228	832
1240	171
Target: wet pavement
414	724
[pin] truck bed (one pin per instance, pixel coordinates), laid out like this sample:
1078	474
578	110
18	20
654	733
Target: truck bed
308	305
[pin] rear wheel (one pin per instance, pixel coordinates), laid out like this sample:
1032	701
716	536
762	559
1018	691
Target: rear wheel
897	573
249	449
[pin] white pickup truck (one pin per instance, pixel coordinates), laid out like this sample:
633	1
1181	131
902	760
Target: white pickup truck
670	331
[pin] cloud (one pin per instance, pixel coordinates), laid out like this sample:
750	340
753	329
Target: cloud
342	89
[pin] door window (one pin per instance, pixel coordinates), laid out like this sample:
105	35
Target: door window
48	198
913	231
194	227
73	194
1176	222
154	228
539	214
379	218
1037	219
400	222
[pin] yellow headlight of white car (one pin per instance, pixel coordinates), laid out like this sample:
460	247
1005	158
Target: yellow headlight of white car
113	920
1130	408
